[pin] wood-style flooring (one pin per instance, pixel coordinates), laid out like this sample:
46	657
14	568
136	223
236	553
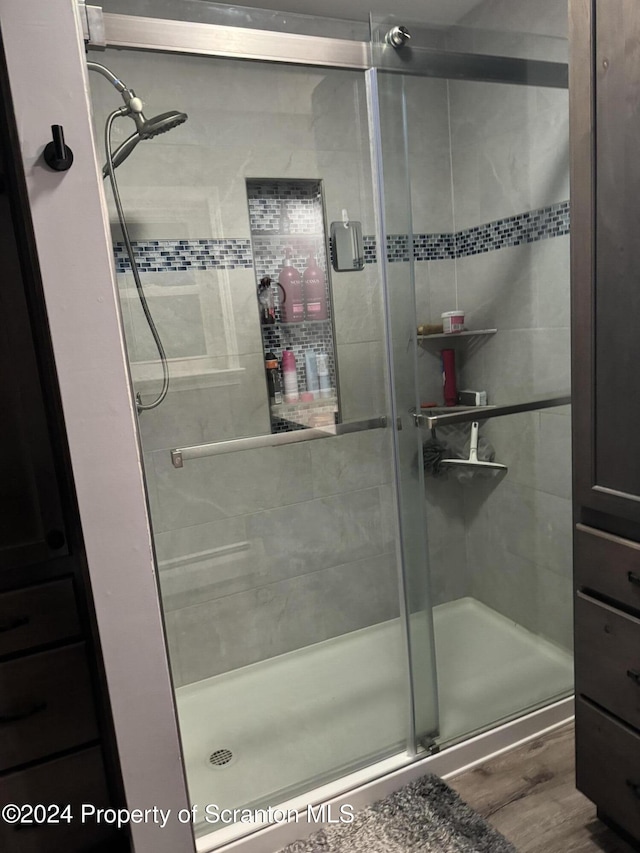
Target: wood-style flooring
529	795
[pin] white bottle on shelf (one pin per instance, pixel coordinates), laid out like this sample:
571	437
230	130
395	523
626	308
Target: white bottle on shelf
323	374
311	370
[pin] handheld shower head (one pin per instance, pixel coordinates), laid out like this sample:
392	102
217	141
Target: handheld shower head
145	128
148	129
122	152
161	124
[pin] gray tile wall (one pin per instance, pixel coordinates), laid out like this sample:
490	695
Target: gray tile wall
519	533
506	543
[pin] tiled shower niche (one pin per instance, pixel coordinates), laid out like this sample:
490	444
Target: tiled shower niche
289	215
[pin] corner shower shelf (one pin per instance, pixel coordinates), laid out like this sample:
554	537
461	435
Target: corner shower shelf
473	333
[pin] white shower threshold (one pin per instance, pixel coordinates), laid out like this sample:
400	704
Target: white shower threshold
297	717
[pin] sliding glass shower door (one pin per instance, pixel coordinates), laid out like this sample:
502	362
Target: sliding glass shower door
472	156
282	478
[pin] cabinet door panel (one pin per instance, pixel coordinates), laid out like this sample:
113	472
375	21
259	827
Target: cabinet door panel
606	256
608	765
608	658
72	780
607	565
46	705
37	615
617	296
31	520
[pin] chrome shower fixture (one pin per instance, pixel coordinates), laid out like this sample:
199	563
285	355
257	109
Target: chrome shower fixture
133	105
148	129
145	128
397	36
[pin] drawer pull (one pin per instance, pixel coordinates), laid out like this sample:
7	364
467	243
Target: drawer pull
635	787
5	719
634	676
16	623
634	579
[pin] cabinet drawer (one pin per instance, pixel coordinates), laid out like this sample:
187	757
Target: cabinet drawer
607	658
46	705
608	565
608	766
73	780
37	615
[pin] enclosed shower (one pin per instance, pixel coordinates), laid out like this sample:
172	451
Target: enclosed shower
328	603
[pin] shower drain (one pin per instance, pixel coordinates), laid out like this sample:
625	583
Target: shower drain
221	757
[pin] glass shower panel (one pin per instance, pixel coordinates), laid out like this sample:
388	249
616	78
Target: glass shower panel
277	549
389	128
487	232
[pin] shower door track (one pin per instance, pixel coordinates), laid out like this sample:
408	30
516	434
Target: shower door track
134	32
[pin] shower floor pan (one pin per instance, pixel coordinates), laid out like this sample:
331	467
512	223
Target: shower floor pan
267	731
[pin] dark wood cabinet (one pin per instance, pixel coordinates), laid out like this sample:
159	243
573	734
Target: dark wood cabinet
605	205
31	518
605	215
610	774
38	615
70	780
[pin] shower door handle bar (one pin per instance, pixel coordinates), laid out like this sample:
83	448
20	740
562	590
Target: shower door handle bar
197	451
483	413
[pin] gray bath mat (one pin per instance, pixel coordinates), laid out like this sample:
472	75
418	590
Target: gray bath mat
425	816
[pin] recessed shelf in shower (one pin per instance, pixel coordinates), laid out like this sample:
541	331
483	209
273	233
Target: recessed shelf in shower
287	223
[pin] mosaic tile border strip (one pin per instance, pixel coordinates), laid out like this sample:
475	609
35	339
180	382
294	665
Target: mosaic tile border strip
529	227
541	224
235	253
369	246
184	255
434	247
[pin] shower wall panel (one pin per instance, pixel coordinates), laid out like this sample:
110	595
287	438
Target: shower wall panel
259	552
489	165
510	155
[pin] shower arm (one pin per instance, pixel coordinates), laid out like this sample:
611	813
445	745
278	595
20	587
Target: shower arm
133	104
111	77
